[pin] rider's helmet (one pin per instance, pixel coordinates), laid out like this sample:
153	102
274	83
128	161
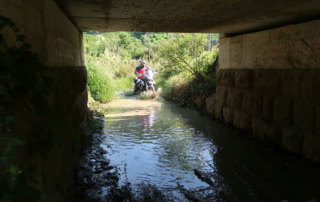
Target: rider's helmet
142	62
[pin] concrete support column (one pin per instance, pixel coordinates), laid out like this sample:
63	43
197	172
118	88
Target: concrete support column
269	82
59	46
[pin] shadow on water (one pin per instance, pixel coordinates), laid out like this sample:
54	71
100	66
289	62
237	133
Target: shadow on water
160	152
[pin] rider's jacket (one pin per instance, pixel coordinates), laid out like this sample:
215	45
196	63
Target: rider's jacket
139	67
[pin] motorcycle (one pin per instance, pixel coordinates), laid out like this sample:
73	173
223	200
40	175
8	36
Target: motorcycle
138	85
150	83
144	80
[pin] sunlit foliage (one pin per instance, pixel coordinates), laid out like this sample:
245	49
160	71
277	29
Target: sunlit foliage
113	56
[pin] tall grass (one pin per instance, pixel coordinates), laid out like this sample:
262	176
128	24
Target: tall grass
124	83
94	106
102	86
168	83
116	66
205	62
109	74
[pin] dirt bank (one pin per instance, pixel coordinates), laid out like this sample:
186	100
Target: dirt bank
187	95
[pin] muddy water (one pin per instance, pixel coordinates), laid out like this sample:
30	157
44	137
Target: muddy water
193	158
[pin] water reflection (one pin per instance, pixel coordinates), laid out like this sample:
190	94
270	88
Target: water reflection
159	143
156	145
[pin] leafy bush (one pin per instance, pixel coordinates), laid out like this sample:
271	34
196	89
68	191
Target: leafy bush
166	84
205	61
101	84
123	84
112	57
179	52
94	106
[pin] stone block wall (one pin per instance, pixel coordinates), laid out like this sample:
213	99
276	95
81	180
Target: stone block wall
58	44
269	86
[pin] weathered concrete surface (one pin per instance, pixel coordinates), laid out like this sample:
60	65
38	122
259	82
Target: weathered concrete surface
187	16
53	37
293	46
58	44
274	74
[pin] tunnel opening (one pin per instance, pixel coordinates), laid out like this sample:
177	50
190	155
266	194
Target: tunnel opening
172	57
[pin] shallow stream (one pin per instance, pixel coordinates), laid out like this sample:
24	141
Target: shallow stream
188	157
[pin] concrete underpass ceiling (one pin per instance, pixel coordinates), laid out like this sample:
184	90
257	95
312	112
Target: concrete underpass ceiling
216	16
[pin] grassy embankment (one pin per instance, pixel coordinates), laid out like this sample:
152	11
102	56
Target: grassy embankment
183	87
194	71
103	82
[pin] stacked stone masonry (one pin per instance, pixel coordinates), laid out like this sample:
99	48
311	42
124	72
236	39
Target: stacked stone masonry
58	44
269	86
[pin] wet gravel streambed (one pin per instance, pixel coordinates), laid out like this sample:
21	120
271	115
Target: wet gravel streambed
156	151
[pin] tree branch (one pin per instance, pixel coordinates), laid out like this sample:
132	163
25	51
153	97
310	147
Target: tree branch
195	71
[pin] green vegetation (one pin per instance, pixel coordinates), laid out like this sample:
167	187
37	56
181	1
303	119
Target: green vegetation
95	107
111	58
100	83
188	70
183	53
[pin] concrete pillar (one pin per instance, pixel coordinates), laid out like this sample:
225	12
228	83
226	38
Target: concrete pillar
277	73
58	44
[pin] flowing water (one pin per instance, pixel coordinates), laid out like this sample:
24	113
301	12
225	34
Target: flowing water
193	158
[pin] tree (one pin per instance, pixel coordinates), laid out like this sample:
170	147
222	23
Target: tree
146	41
183	53
125	39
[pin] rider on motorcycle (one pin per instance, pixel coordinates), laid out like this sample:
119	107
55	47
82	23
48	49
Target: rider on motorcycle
143	72
141	66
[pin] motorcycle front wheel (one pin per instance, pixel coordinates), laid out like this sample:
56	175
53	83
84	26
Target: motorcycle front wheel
151	87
